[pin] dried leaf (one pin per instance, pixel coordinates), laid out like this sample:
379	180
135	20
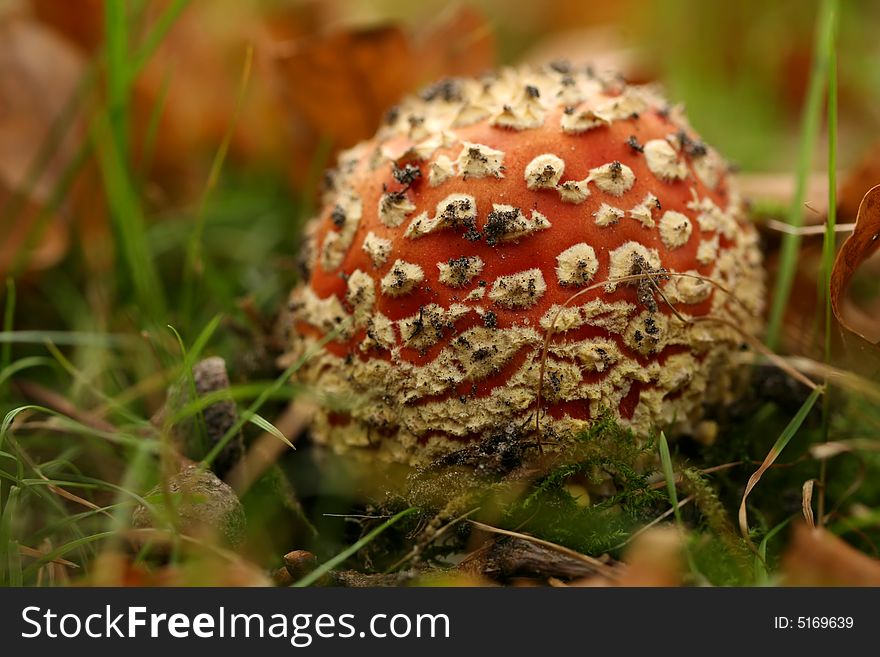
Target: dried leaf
82	22
338	86
33	98
457	44
656	558
114	569
816	557
192	81
858	247
342	83
807	502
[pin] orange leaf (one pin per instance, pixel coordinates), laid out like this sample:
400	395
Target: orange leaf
817	557
33	99
342	83
462	44
82	22
338	86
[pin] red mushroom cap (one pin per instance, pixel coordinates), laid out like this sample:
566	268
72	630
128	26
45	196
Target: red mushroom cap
451	242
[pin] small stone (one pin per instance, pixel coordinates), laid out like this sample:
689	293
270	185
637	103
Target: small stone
203	504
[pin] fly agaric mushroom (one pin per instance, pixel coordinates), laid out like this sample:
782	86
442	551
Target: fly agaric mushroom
455	241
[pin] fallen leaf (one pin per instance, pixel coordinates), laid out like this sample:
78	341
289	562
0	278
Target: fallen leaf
33	101
816	557
116	569
457	43
858	247
655	558
82	22
193	81
341	84
337	87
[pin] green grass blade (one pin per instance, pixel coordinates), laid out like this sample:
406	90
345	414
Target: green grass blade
268	427
152	131
669	475
259	401
781	442
812	112
8	319
64	422
761	562
829	242
238	392
61	550
71	338
327	566
828	246
128	220
187	374
6	520
194	264
81	378
15	576
116	45
23	364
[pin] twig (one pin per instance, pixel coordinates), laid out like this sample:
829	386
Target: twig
44	397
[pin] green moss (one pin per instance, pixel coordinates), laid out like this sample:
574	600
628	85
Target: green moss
610	465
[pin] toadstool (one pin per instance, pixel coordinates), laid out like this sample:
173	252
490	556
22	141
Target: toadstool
479	222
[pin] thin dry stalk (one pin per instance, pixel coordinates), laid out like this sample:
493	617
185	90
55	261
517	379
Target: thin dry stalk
819	229
656	521
37	554
807	502
37	394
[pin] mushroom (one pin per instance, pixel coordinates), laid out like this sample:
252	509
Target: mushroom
531	205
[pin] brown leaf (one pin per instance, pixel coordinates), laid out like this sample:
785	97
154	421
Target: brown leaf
194	76
655	558
458	44
337	86
816	557
342	83
33	99
82	22
116	569
857	248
